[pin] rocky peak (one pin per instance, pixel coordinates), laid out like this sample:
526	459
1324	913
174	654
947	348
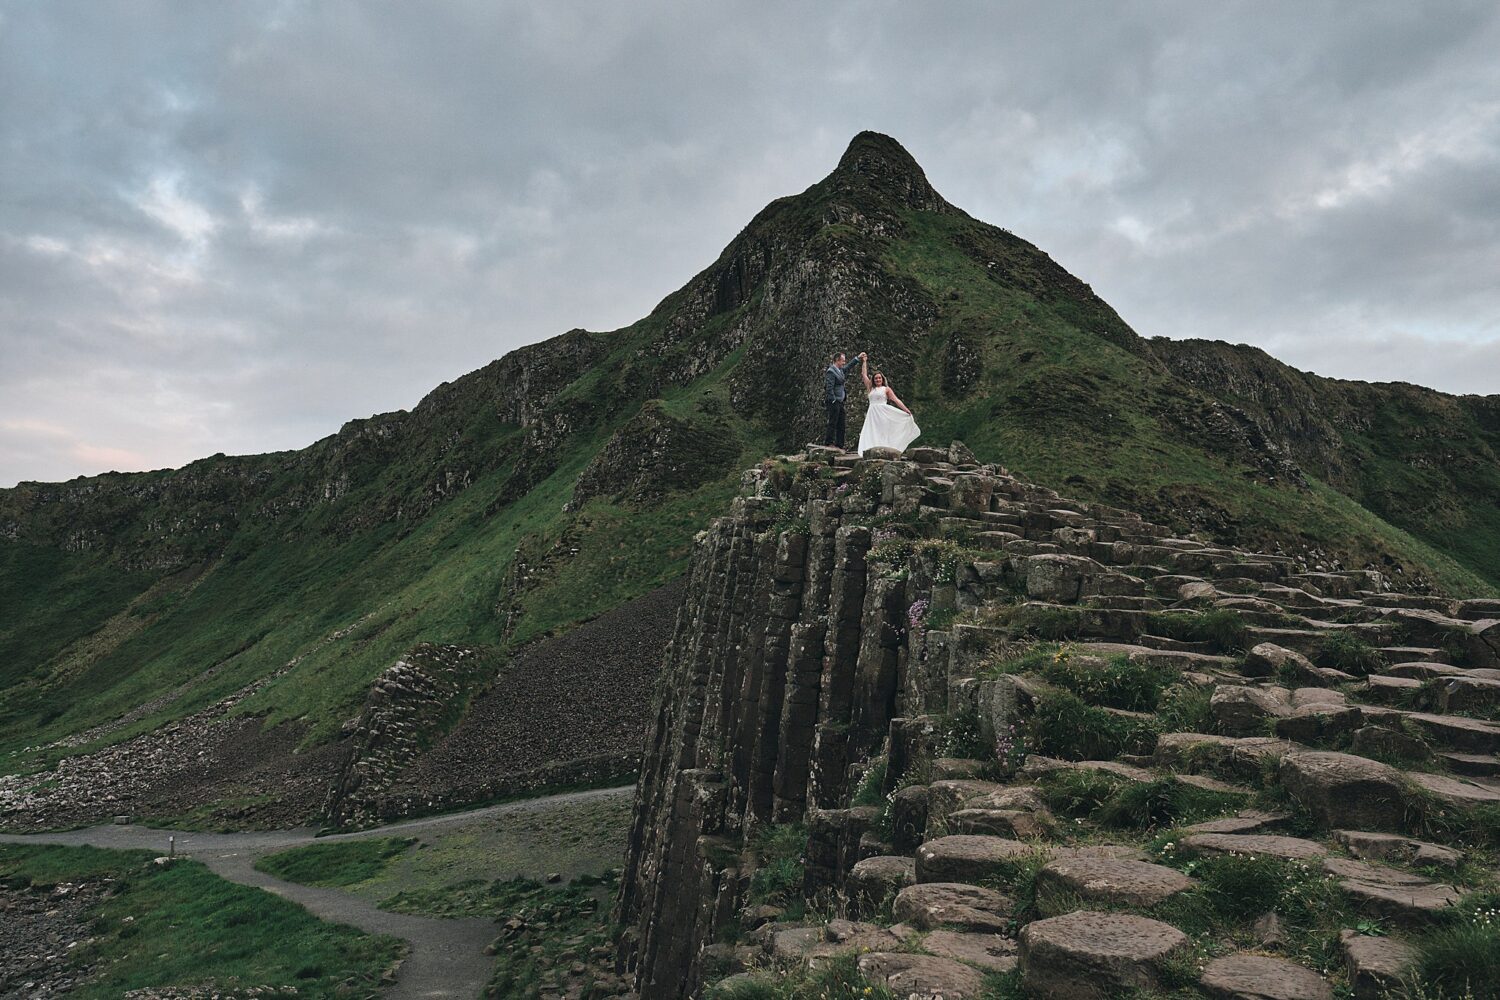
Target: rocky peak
877	167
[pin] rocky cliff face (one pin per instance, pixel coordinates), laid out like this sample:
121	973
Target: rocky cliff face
867	654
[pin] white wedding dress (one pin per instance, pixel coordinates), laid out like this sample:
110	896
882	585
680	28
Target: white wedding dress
886	426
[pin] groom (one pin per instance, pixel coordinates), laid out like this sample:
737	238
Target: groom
833	398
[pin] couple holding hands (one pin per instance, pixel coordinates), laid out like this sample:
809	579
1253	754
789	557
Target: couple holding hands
888	421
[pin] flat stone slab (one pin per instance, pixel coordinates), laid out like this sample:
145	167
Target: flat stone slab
1376	964
1458	732
990	952
1254	844
874	880
1342	790
1011	823
1406	904
1261	977
1396	847
1106	880
968	857
909	975
1245	822
1454	791
1088	955
955	906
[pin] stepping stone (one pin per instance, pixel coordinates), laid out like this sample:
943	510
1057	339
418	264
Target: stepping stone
1318	715
1467	694
1245	822
1472	765
1395	847
1378	740
1261	977
1388	690
1087	955
873	881
791	945
1412	654
990	952
1420	670
1013	823
944	797
921	975
1225	755
1461	792
1253	844
1243	711
1105	880
1342	790
955	906
1363	871
1459	733
1115	852
954	768
969	858
1377	965
1406	904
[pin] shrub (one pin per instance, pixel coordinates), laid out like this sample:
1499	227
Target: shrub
1062	725
1185	708
1343	650
1117	681
1222	628
778	878
836	979
1142	805
1038	621
1463	959
960	737
1163	802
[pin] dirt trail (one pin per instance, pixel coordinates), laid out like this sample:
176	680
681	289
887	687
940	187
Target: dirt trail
447	956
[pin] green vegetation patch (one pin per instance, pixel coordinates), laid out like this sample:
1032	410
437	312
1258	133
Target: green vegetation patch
336	863
181	925
1343	650
1064	725
836	979
1222	628
1112	801
779	854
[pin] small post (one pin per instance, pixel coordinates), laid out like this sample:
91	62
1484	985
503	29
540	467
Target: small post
172	846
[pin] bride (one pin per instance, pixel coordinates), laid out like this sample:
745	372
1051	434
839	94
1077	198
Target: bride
888	422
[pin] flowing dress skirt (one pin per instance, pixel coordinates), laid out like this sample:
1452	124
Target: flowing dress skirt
886	426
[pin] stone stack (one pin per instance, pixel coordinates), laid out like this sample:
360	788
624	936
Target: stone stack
852	613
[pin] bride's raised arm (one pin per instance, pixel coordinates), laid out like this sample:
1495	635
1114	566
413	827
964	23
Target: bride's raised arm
864	371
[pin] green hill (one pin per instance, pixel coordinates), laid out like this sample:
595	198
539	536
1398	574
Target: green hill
571	475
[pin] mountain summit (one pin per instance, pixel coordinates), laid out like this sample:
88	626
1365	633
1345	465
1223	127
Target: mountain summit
569	477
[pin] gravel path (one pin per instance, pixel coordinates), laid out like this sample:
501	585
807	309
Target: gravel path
447	956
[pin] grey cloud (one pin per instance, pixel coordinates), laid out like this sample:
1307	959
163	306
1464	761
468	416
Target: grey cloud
232	227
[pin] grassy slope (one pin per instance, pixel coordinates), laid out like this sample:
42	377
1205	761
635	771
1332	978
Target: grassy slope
271	598
183	925
1071	409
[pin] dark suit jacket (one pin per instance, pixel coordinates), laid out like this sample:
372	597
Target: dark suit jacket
833	380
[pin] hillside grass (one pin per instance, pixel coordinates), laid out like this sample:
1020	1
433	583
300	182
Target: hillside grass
1066	407
182	925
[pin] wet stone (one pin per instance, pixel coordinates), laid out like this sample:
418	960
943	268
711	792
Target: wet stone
1261	977
1087	955
968	858
990	952
923	976
1106	880
956	906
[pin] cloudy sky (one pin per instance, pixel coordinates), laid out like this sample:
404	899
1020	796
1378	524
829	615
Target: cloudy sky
231	227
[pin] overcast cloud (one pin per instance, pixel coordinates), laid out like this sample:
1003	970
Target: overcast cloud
232	227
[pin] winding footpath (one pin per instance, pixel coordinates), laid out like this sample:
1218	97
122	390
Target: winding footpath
447	956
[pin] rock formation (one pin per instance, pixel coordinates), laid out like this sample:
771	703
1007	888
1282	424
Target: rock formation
1040	732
